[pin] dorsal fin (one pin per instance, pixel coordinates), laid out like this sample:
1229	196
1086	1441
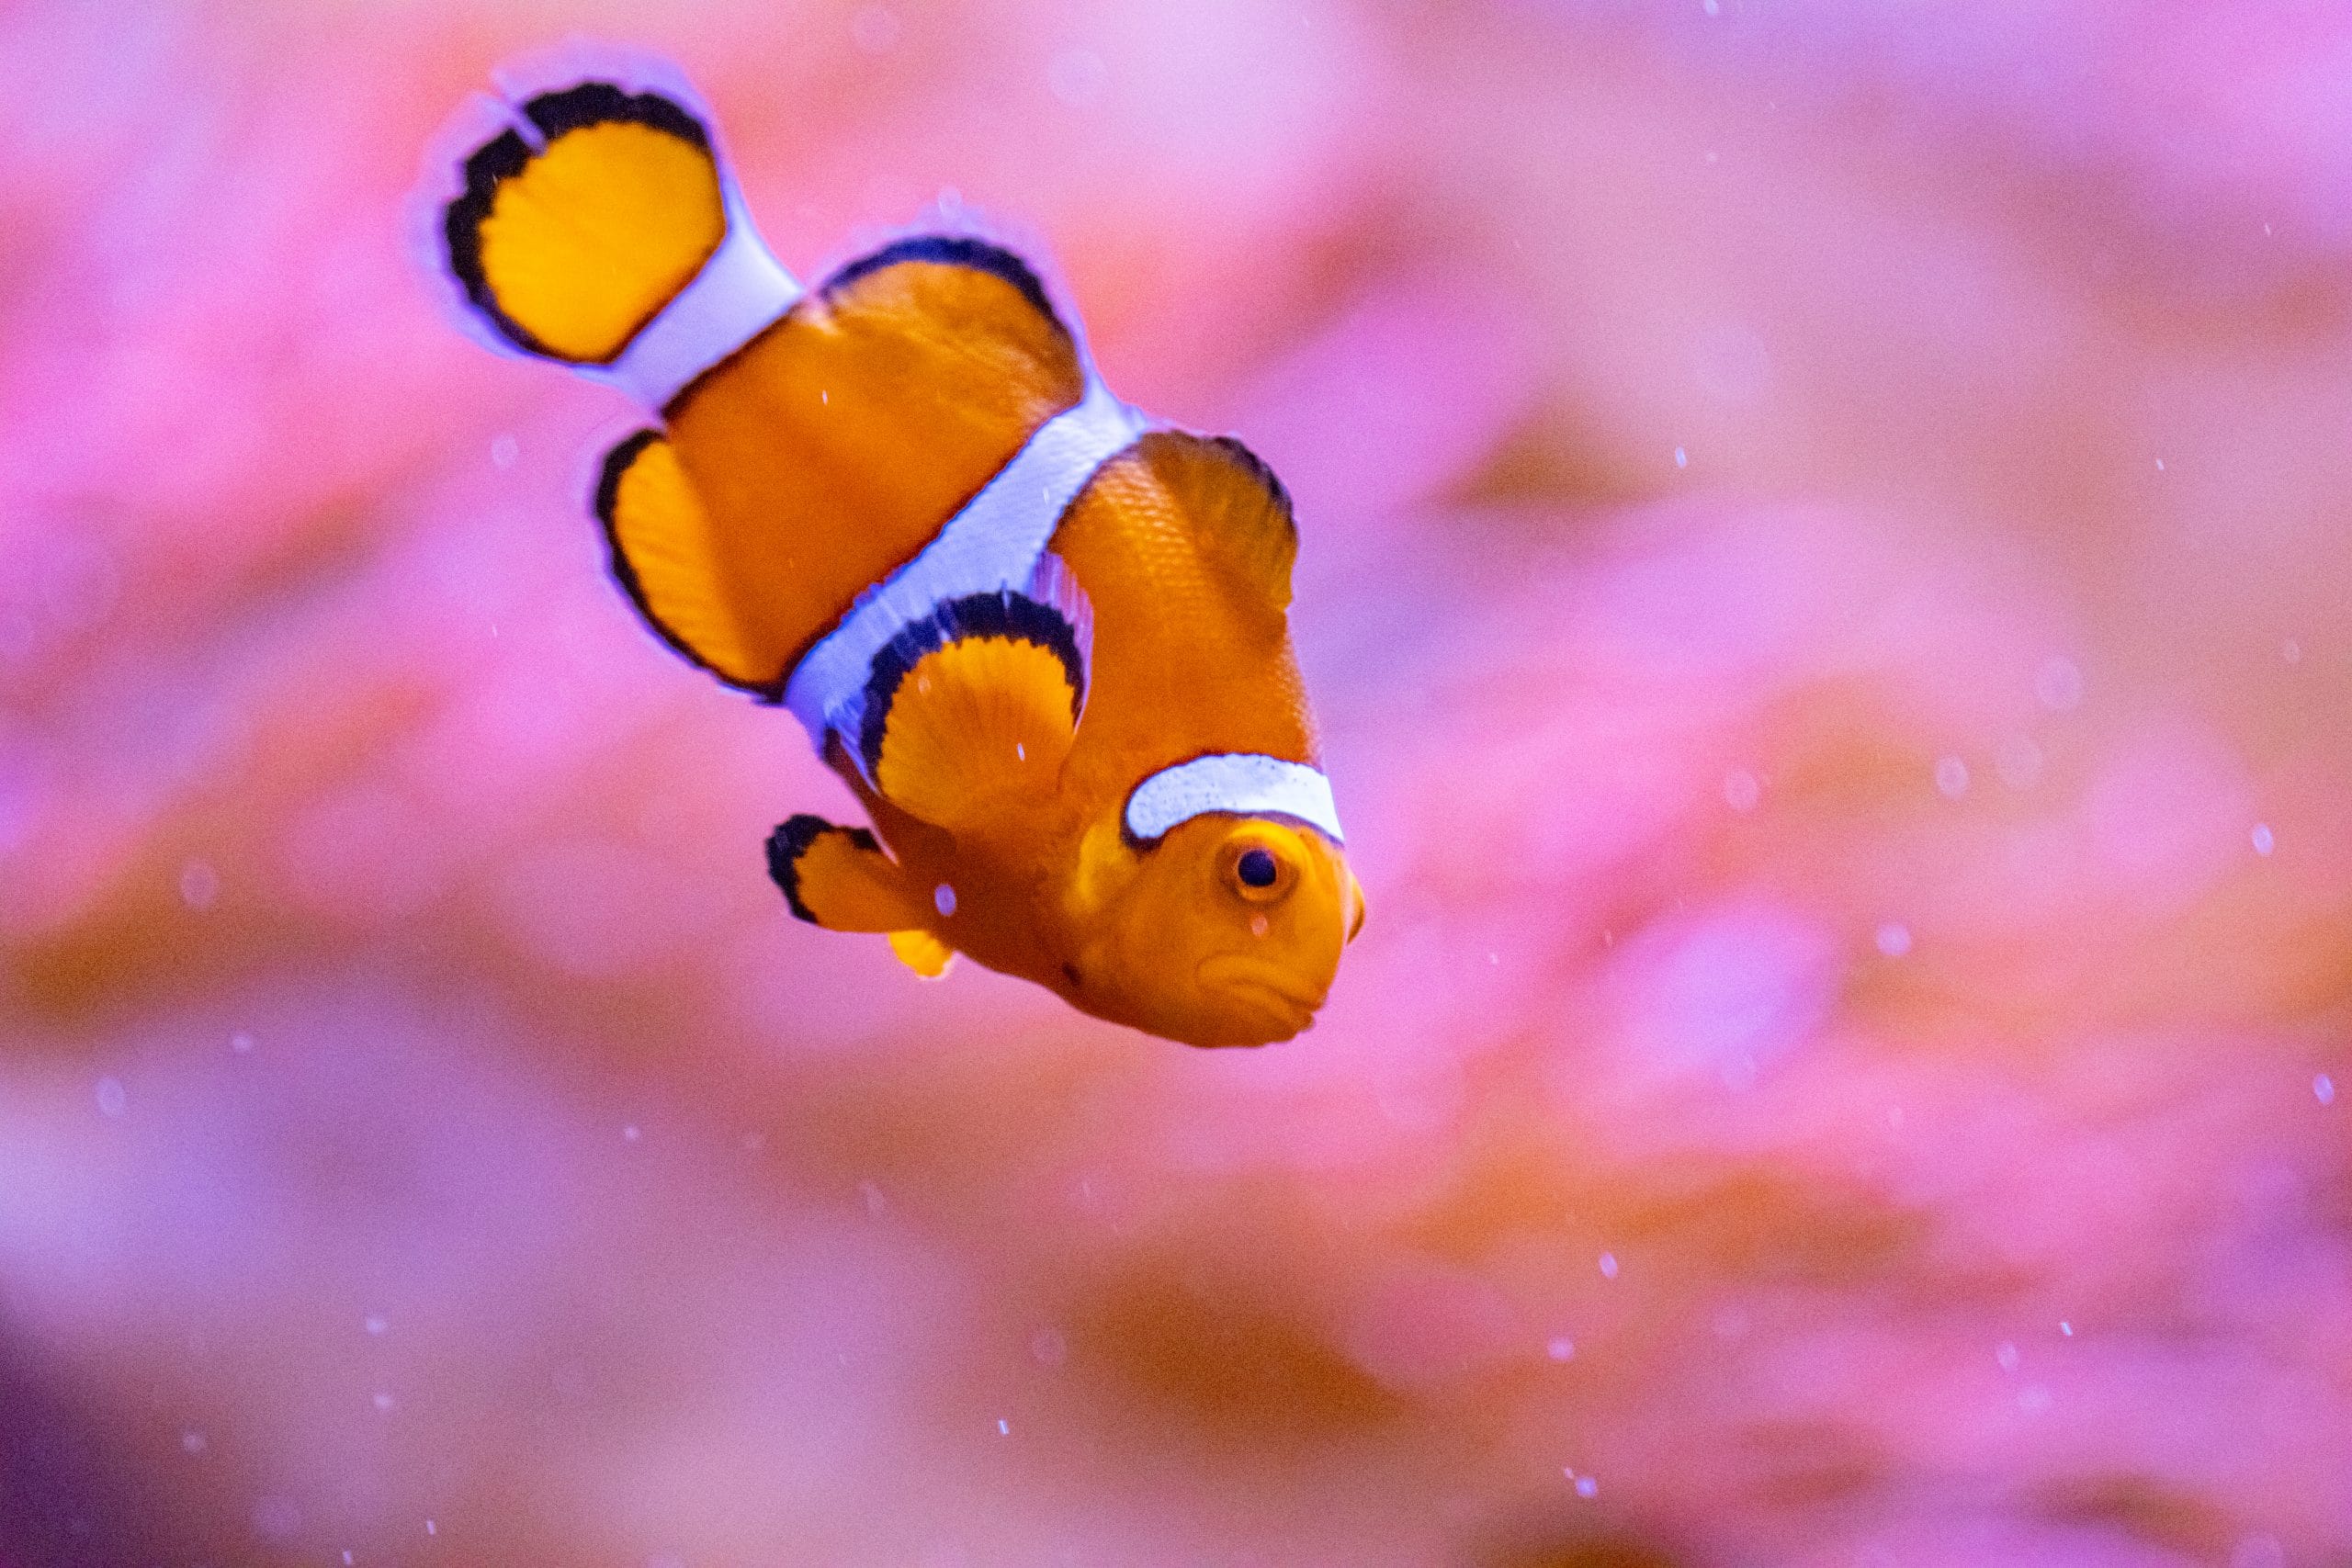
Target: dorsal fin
953	249
569	247
1238	511
833	449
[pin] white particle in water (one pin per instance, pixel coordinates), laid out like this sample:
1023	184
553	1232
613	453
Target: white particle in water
2007	1354
1952	777
942	898
1003	1427
111	1099
2324	1090
629	1133
374	1325
199	885
383	1401
1894	939
2058	684
2264	842
429	1529
1586	1487
1681	458
1561	1349
1609	1266
1709	7
193	1442
2066	1328
241	1043
2160	465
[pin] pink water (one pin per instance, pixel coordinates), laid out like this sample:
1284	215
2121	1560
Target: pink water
1824	579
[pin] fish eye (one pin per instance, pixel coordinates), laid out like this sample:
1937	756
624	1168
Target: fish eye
1256	871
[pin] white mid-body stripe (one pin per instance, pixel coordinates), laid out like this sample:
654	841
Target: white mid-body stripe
737	295
994	543
1244	784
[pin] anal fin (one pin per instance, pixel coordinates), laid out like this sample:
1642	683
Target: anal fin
674	564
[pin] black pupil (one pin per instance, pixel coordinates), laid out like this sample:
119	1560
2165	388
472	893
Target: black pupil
1257	868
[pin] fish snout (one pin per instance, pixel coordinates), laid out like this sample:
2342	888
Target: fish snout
1267	1001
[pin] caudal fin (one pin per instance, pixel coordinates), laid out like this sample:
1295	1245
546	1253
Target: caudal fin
585	218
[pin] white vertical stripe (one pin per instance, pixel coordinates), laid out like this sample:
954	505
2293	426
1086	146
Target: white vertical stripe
739	293
1242	782
995	542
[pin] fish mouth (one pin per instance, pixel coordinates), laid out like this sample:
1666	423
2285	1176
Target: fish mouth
1275	1002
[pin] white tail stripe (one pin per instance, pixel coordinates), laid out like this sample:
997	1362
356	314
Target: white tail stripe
994	543
1241	783
737	295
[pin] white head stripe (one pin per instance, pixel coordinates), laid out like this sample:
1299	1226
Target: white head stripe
740	291
994	543
1245	784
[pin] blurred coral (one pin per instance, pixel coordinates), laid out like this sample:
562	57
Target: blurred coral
1825	527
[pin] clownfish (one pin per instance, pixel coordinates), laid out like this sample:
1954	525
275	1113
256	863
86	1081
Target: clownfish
1044	639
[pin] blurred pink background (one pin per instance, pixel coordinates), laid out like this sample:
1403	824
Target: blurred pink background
1824	579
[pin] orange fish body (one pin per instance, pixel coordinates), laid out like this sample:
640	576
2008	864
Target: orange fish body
1044	640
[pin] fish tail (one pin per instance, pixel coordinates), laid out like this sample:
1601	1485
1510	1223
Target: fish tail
583	212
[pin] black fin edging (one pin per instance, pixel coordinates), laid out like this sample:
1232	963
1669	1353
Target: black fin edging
507	154
604	103
791	841
607	504
1256	468
954	250
1003	613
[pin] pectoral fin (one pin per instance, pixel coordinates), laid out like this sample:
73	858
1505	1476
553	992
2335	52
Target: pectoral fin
839	879
971	712
922	953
